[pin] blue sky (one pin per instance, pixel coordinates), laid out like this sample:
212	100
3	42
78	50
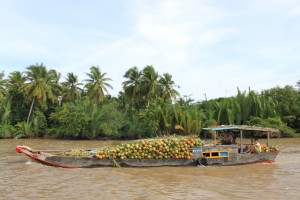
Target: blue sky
209	47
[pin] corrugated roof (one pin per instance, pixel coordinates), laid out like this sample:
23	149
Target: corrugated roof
242	127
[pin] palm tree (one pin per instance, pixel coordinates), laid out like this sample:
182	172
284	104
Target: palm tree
97	84
226	110
241	99
5	111
39	86
72	90
249	105
2	86
16	81
188	119
167	114
167	85
149	82
54	78
254	104
132	85
268	106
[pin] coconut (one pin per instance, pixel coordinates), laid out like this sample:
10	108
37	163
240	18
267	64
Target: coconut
172	147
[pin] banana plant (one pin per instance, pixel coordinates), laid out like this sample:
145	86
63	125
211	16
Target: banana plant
93	111
167	115
268	106
225	112
188	119
2	86
24	129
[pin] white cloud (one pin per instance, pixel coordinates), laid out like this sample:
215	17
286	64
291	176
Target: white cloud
180	23
207	46
279	7
167	39
174	39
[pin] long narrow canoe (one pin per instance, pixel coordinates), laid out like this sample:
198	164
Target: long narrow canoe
219	155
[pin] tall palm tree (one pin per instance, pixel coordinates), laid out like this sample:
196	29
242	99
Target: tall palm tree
149	82
132	86
39	86
16	80
72	90
2	86
97	84
167	86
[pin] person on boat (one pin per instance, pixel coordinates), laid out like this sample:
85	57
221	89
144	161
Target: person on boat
227	139
245	149
256	148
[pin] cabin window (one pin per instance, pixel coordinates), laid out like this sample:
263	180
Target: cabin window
215	154
206	154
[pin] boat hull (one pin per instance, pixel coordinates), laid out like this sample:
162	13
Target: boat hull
241	159
93	162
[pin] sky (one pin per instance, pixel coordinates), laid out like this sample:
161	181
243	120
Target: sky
210	47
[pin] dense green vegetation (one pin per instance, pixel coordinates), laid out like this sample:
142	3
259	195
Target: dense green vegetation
149	105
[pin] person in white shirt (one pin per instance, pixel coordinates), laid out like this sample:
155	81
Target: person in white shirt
256	148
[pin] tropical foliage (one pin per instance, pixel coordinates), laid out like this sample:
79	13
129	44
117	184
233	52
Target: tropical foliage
149	105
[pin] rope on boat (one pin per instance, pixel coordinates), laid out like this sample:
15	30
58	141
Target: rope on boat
114	162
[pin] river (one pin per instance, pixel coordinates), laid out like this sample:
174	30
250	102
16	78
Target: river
22	179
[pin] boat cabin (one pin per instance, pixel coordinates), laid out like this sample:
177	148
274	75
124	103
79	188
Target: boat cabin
228	146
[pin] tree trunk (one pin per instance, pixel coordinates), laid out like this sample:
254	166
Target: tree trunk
30	110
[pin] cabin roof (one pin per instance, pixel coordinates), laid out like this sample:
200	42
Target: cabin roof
242	127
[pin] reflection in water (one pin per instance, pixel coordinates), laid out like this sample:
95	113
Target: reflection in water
23	179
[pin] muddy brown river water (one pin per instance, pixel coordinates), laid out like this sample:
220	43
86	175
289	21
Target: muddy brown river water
22	179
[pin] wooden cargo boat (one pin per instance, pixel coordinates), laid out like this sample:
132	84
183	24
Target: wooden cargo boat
206	155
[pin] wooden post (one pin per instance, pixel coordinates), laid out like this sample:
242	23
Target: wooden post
215	137
268	141
241	145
